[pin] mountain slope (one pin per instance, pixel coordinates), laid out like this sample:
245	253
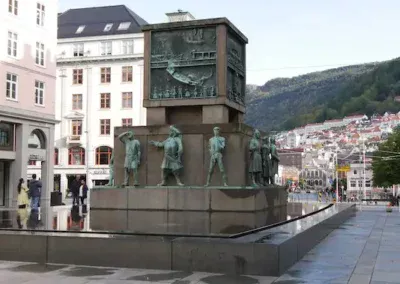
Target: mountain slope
285	103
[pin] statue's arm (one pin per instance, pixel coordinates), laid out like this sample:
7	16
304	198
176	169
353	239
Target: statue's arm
180	147
252	146
121	136
223	142
139	152
157	143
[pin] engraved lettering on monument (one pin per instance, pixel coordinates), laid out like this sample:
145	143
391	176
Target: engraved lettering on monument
183	63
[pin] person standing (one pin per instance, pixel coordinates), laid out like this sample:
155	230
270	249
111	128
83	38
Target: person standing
35	188
83	189
75	185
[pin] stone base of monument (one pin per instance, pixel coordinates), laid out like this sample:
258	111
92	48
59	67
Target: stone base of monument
235	199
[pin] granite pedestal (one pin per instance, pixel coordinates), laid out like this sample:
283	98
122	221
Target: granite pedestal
228	199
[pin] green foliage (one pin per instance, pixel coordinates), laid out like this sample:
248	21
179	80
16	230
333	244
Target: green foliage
386	161
316	97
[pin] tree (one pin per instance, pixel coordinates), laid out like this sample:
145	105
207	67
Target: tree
386	161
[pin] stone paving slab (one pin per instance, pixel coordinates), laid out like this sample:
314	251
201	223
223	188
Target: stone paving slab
363	250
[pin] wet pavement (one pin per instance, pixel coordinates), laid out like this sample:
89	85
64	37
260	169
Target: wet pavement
363	250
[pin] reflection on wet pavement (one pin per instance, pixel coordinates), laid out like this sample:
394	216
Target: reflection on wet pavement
83	219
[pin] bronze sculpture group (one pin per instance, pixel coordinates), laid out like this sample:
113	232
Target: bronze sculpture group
263	166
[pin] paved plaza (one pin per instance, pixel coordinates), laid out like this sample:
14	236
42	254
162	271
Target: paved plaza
363	250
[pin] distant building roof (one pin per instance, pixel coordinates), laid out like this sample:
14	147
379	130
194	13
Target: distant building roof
99	21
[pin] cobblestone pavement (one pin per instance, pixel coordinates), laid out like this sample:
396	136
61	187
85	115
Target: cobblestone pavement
365	249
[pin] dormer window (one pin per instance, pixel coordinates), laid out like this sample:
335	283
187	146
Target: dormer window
124	26
108	27
80	29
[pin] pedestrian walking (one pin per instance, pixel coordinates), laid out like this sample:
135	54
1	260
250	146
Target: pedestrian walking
35	189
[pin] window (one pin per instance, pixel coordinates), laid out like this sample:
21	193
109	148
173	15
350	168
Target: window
126	122
105	126
11	89
80	29
103	155
108	27
367	183
127	47
76	127
124	26
105	75
77	76
127	74
105	100
5	135
32	163
39	93
55	156
76	156
127	100
12	47
13	7
355	172
78	49
39	53
40	11
353	183
360	183
77	101
106	48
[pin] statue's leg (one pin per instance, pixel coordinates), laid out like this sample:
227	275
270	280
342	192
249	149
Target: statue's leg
178	180
210	171
126	179
253	179
222	170
135	177
163	178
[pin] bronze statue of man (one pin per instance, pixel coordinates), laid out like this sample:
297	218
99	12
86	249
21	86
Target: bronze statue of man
216	145
132	156
173	150
111	166
255	159
267	163
274	160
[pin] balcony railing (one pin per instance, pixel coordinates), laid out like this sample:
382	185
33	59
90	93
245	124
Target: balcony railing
74	139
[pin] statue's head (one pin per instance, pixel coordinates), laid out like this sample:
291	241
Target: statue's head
130	135
217	131
257	134
173	131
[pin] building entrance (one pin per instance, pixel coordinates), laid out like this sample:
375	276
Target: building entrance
4	179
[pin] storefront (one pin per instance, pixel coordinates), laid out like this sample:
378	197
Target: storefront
99	176
21	142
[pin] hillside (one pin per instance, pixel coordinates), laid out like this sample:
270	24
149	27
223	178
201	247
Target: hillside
285	103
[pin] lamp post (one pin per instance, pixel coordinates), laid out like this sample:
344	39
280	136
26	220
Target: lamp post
337	177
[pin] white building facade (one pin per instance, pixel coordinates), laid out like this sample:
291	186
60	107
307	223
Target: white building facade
99	87
27	78
355	180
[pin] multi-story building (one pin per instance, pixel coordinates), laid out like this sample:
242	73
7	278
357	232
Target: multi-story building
99	87
27	78
356	177
291	157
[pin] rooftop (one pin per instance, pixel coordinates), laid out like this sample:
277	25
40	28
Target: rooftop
98	21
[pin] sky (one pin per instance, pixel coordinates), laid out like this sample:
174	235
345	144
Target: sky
289	37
